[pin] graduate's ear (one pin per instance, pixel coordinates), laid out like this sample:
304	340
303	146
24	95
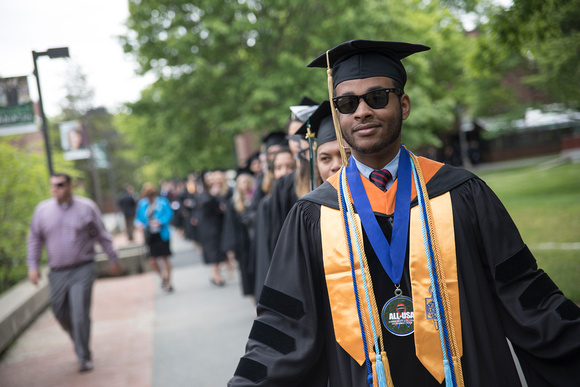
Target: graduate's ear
405	106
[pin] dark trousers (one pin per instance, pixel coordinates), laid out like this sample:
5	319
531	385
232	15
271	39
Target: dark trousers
129	226
70	299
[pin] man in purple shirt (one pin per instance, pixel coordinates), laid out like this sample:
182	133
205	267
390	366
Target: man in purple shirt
69	225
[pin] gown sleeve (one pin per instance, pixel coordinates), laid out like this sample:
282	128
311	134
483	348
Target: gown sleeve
540	322
285	344
263	253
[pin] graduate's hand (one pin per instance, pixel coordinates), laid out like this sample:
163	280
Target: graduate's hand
34	276
115	268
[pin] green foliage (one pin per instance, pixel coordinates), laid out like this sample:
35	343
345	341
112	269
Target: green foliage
23	184
539	37
225	67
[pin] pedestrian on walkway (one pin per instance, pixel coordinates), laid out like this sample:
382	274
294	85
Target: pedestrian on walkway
213	205
402	271
154	214
68	226
128	205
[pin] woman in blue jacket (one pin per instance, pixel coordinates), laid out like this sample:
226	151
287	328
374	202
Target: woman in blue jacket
153	215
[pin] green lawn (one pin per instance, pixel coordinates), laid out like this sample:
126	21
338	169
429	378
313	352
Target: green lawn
545	205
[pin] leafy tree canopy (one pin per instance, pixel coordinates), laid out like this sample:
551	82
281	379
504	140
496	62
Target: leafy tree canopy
225	67
540	37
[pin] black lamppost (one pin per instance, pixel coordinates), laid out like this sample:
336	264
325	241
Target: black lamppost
61	52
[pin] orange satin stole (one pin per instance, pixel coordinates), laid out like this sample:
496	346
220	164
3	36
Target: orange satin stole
339	277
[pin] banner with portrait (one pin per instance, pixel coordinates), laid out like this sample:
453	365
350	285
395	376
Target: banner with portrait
16	108
73	140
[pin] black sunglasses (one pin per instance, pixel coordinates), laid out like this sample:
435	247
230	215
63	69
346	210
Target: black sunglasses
60	185
376	99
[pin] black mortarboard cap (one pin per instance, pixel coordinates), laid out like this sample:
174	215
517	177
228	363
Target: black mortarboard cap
242	171
320	124
254	156
326	131
303	110
305	101
274	138
357	59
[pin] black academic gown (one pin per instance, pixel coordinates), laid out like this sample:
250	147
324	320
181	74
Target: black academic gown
210	228
283	198
263	257
259	194
190	212
237	229
502	294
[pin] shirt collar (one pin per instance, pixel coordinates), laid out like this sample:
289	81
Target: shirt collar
63	206
392	167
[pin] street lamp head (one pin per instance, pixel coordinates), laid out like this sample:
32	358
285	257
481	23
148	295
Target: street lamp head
61	52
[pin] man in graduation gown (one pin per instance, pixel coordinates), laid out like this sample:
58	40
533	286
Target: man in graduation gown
508	322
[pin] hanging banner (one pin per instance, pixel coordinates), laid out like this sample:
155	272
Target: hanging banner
16	110
73	140
100	155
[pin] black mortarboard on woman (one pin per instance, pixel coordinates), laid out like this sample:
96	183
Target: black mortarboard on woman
311	131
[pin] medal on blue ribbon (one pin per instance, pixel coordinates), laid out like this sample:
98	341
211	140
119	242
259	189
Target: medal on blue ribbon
397	315
391	256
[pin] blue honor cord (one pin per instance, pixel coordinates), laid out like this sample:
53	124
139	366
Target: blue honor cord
391	256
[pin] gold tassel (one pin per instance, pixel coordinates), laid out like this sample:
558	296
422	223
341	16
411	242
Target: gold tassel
337	129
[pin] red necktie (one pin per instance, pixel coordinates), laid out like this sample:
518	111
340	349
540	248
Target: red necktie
380	178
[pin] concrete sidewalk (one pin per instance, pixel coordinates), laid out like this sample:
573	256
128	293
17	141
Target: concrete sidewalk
121	341
142	336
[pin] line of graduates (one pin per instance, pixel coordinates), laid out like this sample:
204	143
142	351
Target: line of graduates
238	223
310	140
201	204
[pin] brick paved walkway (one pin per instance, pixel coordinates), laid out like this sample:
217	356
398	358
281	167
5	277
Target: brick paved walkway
121	340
